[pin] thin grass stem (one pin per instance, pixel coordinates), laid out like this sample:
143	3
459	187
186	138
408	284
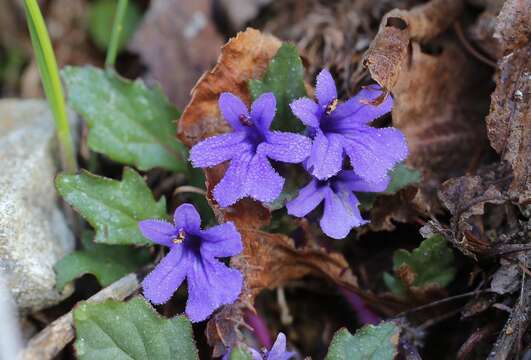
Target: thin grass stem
51	81
117	28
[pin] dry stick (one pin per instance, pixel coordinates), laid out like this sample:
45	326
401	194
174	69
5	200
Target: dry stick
516	324
53	338
462	38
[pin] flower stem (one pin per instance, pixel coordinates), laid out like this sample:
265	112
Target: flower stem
365	315
260	328
51	81
117	28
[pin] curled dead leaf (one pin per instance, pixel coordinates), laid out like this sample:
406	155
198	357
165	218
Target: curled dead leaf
388	52
465	197
509	120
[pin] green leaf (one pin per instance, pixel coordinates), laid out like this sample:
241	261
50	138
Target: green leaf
370	342
431	263
285	79
112	207
240	353
128	122
130	330
107	263
401	177
101	19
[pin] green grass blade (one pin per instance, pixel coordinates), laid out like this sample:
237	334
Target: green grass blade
112	50
49	71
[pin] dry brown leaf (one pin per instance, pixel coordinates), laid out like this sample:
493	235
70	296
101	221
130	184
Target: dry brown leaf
438	106
509	120
178	41
513	25
388	53
465	197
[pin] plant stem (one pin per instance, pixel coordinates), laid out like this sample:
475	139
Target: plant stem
117	28
51	81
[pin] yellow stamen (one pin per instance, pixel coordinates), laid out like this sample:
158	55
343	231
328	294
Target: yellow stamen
180	237
332	106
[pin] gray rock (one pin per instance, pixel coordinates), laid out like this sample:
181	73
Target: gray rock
34	233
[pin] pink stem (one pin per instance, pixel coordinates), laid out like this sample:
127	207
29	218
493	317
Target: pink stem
365	315
260	328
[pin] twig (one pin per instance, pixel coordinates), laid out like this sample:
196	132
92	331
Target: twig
474	340
53	338
189	189
285	316
459	32
515	326
438	302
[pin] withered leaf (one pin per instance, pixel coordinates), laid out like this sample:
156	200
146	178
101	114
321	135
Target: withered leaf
388	53
513	25
465	197
509	120
178	41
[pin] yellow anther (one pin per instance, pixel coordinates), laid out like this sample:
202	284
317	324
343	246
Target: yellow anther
180	237
332	106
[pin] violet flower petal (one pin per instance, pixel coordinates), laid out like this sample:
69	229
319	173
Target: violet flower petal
325	88
309	198
159	231
210	285
168	275
326	156
232	109
217	149
356	111
350	180
307	111
263	111
278	351
231	187
221	241
340	214
187	218
373	152
286	147
263	183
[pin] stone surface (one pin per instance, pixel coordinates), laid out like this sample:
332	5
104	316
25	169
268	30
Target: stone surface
33	230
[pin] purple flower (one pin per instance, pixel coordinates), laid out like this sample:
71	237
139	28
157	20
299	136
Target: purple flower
277	352
192	255
249	148
341	212
339	129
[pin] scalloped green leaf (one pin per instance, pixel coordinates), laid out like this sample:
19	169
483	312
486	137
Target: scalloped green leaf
285	79
368	343
431	263
112	207
128	122
115	330
107	263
